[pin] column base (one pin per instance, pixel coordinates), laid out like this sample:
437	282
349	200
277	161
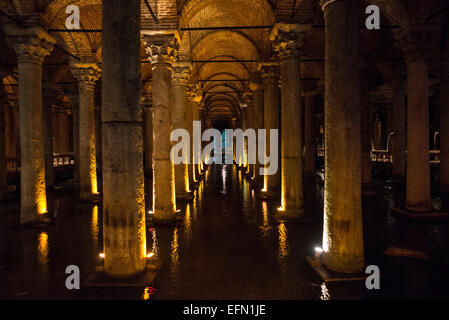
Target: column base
42	221
410	214
89	197
185	197
153	221
290	215
270	195
328	275
146	278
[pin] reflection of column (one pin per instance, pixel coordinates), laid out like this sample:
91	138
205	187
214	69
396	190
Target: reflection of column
162	51
342	230
287	40
365	123
418	197
48	99
444	132
87	74
309	135
123	212
31	45
271	183
179	119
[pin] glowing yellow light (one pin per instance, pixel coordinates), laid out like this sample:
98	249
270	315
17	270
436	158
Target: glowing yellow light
281	209
149	255
42	252
101	255
94	225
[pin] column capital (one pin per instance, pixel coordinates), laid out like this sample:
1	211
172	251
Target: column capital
408	42
31	44
269	71
324	3
194	93
181	73
87	73
288	38
161	46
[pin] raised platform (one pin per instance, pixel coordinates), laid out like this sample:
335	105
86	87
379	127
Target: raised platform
431	216
328	275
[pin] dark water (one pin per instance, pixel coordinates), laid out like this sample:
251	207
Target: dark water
227	247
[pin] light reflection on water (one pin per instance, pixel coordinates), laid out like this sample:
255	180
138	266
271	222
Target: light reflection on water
95	228
174	257
188	223
325	295
42	253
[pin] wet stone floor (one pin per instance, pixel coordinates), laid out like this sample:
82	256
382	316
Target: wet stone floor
227	247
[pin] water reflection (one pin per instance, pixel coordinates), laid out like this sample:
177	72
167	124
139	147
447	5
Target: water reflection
188	223
95	228
42	253
283	243
174	255
154	242
324	292
265	227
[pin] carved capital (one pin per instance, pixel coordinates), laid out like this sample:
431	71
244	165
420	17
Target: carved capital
181	72
269	72
161	46
287	39
86	73
194	93
31	44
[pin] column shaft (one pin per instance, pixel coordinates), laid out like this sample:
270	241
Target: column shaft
365	125
309	136
400	136
342	231
124	211
444	135
47	103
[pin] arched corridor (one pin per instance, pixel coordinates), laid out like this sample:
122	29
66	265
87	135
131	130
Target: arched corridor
211	149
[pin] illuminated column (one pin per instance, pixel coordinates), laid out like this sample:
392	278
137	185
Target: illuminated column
179	119
31	45
148	137
365	123
257	124
74	101
121	115
444	131
162	51
48	98
342	230
287	40
309	134
193	179
87	74
196	117
269	71
418	198
3	172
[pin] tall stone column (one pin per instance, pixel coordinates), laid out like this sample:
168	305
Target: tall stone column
365	123
162	51
87	74
31	45
342	231
121	115
193	179
309	135
148	138
270	74
74	101
444	131
287	40
418	198
48	99
257	123
179	119
196	117
3	172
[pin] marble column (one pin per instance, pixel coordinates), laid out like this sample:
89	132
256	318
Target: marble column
87	74
270	74
179	119
287	41
124	235
162	52
399	127
343	249
309	135
418	198
365	123
257	123
190	94
74	101
3	171
148	138
31	44
444	131
48	99
196	117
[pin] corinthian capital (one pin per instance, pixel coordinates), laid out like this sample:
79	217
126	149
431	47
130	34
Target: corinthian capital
31	44
288	39
269	72
181	72
161	46
87	73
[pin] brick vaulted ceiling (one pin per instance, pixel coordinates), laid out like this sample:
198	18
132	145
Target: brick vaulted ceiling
229	44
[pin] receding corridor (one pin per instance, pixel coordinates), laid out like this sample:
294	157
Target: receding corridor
226	247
